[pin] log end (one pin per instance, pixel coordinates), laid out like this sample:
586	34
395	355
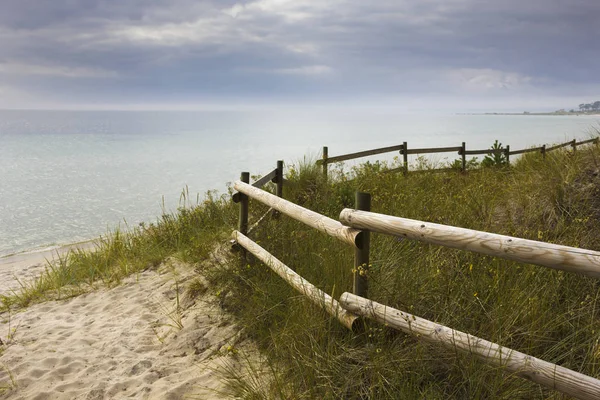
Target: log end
346	216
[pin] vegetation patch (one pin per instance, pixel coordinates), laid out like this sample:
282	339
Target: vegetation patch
549	314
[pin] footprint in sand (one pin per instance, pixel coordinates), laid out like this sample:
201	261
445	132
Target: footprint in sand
140	367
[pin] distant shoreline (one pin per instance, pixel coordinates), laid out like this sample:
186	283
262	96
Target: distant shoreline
554	113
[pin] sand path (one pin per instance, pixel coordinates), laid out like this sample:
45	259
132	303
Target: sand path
121	343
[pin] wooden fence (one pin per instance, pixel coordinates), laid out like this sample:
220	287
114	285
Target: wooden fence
354	227
461	150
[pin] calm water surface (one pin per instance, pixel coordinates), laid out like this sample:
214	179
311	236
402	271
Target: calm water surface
69	176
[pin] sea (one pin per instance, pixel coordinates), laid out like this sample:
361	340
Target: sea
69	176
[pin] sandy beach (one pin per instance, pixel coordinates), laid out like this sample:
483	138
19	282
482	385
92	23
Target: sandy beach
135	340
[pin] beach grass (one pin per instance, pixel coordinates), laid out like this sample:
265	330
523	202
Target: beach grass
549	314
188	234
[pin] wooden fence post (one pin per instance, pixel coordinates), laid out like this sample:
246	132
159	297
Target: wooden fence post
544	152
405	157
361	254
507	152
325	156
279	191
464	157
574	145
243	220
279	187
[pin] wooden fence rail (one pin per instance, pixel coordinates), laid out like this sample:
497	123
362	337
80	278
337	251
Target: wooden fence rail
460	150
486	151
547	374
531	150
358	154
586	262
594	140
354	228
265	179
558	146
324	224
432	150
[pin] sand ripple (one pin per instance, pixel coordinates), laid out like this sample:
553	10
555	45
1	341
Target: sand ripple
119	343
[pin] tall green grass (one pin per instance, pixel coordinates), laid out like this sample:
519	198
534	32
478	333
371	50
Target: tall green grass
549	314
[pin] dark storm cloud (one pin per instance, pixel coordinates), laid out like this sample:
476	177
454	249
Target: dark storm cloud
181	50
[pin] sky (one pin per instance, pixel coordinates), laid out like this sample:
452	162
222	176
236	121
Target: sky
452	55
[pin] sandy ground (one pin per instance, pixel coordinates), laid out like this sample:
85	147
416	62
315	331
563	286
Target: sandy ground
131	341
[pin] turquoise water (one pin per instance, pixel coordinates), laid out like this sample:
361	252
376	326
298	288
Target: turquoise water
70	176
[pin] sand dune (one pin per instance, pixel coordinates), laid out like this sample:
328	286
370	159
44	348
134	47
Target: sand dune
123	342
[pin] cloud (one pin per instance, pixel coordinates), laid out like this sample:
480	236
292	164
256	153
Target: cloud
293	11
306	70
184	50
8	68
488	79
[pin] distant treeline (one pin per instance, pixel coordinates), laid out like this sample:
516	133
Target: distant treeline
595	106
583	108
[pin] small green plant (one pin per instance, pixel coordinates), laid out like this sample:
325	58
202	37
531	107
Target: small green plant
11	383
470	164
195	288
11	331
497	159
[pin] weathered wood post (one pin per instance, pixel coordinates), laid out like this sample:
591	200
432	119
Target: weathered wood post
279	187
325	156
361	253
507	153
404	152
544	152
279	190
574	145
464	157
243	220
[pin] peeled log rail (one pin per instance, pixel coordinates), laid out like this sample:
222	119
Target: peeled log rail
296	281
310	218
550	375
585	262
359	154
